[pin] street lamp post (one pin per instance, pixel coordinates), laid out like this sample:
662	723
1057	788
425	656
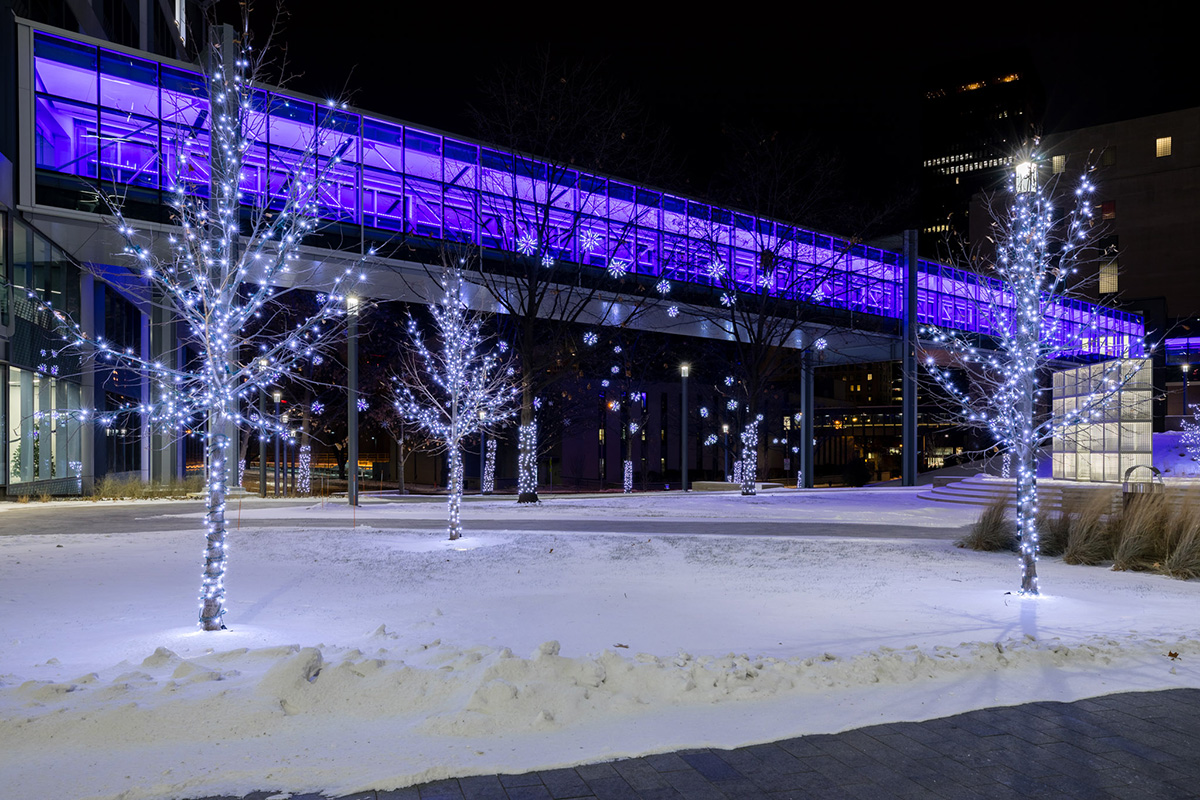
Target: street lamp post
1185	377
683	373
262	449
725	430
287	455
352	399
278	399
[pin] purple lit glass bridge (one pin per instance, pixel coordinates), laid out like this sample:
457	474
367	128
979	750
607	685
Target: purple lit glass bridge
110	115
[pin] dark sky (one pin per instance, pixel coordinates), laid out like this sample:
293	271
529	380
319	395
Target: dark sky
853	84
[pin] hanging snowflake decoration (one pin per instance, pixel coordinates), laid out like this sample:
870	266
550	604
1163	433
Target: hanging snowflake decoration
663	287
589	241
764	282
537	404
729	380
633	427
821	344
617	267
604	383
673	312
547	261
617	349
732	405
715	270
362	404
615	405
726	300
615	369
704	412
590	338
711	440
502	346
527	244
317	407
317	360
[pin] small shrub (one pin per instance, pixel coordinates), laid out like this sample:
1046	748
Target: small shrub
1183	556
1090	539
993	531
44	497
23	498
1141	534
1053	532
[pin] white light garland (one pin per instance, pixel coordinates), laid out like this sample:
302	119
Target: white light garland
527	463
489	468
627	477
305	468
749	459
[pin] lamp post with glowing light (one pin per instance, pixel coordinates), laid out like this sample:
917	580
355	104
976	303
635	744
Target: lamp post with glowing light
262	448
1185	381
278	395
683	375
352	399
725	430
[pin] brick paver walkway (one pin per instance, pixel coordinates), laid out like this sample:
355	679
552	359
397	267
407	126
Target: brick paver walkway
1133	745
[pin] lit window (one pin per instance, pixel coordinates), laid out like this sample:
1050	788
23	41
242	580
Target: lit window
1059	165
1162	147
1108	278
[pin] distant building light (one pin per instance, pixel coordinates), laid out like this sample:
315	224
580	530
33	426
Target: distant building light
1162	147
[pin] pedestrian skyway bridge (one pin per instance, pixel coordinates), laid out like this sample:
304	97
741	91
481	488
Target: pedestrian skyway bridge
115	116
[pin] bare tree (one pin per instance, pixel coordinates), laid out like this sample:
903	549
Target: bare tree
456	389
1039	249
558	254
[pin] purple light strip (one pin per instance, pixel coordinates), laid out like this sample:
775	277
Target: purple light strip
106	114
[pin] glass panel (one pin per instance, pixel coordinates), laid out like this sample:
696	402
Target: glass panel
128	84
129	150
66	69
422	155
65	137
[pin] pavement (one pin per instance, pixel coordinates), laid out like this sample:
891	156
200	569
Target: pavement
1129	745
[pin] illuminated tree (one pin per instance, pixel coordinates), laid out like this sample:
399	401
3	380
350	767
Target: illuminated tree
455	390
223	271
1039	250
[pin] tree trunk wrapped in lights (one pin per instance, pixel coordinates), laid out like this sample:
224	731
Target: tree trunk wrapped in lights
1037	253
749	460
456	390
222	271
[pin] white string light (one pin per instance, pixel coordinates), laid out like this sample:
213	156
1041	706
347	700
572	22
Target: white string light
456	391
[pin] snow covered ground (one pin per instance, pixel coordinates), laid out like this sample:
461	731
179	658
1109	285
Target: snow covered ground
379	657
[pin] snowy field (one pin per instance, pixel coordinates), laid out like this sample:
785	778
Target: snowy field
377	657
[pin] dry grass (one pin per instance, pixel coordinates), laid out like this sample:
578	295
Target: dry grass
23	498
1141	534
1054	529
135	489
1090	540
1183	558
994	530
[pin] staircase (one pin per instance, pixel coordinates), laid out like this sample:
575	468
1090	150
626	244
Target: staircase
983	490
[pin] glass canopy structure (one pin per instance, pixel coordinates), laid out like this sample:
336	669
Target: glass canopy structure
114	116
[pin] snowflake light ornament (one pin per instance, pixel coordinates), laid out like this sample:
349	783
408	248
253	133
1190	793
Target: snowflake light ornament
589	241
673	312
527	244
617	267
663	287
590	338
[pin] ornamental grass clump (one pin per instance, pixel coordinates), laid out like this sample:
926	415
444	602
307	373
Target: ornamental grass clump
1090	540
994	530
1053	531
1183	558
1141	534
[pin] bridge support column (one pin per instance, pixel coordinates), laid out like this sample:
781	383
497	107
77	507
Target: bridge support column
908	422
808	412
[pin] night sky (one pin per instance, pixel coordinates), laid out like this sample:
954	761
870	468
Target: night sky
855	90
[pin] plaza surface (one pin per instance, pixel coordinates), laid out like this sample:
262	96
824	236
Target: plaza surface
367	654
